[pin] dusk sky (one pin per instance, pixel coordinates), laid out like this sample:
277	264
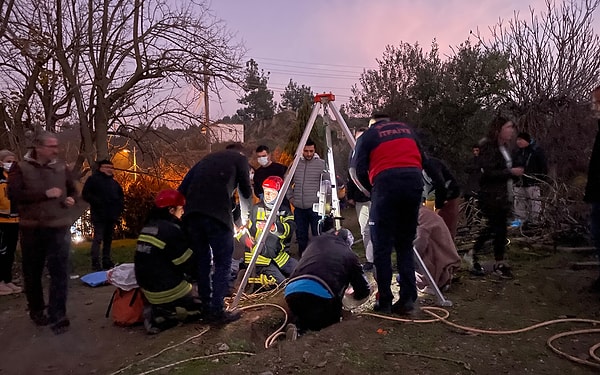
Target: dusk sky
327	44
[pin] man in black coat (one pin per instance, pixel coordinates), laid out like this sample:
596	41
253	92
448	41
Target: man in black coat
106	200
320	279
208	188
530	156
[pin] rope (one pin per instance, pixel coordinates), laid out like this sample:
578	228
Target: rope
433	311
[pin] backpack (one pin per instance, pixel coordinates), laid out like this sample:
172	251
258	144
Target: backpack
127	307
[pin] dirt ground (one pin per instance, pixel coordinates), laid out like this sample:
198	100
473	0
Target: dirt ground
545	287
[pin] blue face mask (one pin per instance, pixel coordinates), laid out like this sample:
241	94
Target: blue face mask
7	165
263	160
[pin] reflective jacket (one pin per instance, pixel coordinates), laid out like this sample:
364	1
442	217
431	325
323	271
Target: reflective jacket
8	213
277	242
162	258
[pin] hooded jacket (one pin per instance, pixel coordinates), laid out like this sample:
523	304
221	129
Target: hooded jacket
27	184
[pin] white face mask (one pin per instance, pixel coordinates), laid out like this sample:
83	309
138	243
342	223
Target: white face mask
7	165
263	160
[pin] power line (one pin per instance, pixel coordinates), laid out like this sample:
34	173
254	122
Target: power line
313	63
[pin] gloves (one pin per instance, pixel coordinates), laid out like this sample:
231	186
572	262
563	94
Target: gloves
248	242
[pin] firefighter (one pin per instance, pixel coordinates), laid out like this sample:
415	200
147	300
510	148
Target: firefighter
274	262
163	265
387	165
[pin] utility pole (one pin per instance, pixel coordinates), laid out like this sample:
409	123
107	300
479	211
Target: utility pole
206	103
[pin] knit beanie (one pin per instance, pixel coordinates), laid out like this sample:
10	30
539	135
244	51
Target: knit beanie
5	153
524	136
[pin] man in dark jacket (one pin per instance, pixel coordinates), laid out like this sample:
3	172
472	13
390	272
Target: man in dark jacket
208	220
530	156
592	189
387	161
106	200
317	285
44	191
267	168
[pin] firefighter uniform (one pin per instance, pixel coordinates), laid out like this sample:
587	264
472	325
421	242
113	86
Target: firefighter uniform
274	261
387	161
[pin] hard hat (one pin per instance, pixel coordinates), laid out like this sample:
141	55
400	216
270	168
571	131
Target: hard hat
169	198
273	182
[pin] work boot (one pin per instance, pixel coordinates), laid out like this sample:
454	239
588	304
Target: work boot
403	308
39	318
382	307
96	265
477	270
222	317
61	326
107	264
503	271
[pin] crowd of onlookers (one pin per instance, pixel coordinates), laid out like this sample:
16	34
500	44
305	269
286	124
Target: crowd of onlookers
405	200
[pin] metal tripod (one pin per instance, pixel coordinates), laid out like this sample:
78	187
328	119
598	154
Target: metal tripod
324	102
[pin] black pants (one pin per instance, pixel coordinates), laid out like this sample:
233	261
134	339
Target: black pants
495	209
41	246
103	234
393	217
9	234
312	312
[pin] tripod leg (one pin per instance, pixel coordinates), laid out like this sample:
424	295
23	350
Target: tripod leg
271	219
438	293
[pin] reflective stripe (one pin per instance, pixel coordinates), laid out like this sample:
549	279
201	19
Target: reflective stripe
152	240
177	261
282	258
260	261
167	296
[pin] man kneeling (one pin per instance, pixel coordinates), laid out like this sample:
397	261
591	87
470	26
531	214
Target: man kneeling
314	293
163	263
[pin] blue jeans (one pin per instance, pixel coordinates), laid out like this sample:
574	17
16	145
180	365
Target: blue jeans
305	218
40	246
206	234
395	202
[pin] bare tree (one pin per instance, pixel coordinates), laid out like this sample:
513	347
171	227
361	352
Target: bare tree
126	67
554	64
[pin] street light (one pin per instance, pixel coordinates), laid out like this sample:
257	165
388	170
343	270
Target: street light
134	166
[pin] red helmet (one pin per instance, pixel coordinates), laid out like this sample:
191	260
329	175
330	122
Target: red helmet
169	198
273	182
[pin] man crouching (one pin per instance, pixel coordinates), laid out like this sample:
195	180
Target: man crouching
314	293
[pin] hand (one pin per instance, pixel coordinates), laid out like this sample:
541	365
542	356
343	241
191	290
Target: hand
53	192
351	202
517	171
69	202
249	242
273	227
